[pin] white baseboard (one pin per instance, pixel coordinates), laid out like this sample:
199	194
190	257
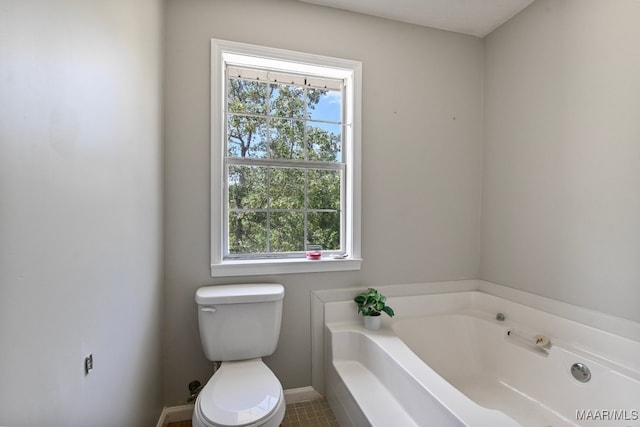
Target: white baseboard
301	394
174	414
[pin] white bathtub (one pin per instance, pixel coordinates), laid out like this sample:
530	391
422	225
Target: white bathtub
445	360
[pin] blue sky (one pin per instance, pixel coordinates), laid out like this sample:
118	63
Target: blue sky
329	107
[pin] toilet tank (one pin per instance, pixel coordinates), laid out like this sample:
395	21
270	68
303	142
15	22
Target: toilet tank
239	322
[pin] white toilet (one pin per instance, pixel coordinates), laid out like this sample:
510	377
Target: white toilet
240	324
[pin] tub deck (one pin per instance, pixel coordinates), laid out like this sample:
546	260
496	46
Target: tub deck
373	397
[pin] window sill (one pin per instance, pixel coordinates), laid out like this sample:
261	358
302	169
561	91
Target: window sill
283	266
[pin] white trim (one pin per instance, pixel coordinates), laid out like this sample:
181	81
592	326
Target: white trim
217	155
301	394
223	52
283	266
174	414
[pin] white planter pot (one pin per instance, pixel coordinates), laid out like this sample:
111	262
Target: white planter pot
372	323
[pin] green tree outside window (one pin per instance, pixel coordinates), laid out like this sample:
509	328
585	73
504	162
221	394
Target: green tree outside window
283	143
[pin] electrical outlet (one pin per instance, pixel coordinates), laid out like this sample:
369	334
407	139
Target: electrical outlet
88	364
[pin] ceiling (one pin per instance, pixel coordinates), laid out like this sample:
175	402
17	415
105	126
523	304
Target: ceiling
473	17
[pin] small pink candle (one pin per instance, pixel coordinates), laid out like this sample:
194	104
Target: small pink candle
314	255
314	252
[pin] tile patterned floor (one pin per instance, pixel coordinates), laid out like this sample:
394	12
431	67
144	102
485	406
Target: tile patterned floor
311	413
316	413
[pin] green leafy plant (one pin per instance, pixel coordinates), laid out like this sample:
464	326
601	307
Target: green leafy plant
372	303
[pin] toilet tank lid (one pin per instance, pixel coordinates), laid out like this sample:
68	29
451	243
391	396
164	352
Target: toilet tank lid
239	294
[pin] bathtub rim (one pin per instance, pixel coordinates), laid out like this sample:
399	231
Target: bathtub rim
324	303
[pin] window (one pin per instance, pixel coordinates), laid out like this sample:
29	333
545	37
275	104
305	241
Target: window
285	170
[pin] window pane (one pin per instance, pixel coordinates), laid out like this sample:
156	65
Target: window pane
325	105
286	189
247	232
287	139
246	136
245	96
287	101
247	187
324	189
286	232
324	142
324	229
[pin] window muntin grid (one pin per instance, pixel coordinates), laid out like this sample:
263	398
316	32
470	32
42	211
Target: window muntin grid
278	143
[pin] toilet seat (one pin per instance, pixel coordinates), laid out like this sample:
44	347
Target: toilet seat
241	394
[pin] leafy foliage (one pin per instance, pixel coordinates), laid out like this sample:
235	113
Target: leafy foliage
372	303
280	208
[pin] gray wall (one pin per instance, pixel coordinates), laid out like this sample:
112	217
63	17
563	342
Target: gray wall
80	212
561	192
421	162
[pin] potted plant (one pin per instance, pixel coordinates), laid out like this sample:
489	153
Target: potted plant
371	304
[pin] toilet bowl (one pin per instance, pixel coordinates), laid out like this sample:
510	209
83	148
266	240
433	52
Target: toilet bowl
240	394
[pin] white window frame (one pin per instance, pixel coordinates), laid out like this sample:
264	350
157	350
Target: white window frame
226	52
